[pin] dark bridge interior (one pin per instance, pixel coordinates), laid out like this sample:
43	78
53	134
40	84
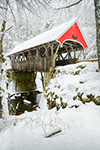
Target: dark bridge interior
68	53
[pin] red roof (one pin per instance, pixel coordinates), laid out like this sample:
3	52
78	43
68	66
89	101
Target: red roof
74	34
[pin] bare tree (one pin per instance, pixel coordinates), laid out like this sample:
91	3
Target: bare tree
3	26
32	6
2	35
97	16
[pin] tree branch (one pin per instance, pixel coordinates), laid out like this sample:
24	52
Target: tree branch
70	5
28	6
3	8
1	39
5	32
12	13
8	29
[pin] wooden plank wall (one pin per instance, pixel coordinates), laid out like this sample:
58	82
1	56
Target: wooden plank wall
40	64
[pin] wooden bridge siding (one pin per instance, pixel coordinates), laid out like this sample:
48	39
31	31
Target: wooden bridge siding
28	61
40	64
44	64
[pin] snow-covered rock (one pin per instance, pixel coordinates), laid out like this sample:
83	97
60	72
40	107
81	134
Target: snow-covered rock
26	102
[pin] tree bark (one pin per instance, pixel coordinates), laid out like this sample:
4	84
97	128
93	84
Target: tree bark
97	17
2	35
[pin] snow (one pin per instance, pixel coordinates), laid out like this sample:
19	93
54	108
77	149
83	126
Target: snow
26	101
39	86
48	36
53	132
80	127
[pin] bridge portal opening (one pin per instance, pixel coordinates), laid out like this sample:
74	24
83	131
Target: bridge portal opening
68	53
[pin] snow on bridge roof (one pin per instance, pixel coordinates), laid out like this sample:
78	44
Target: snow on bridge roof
46	37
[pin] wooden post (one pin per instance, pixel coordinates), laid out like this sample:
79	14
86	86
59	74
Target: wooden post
57	49
16	81
42	80
37	53
52	49
79	54
74	53
46	50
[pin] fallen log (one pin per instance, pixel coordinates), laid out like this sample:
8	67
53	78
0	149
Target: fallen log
53	132
92	60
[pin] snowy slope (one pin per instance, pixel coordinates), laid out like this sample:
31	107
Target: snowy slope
72	79
80	127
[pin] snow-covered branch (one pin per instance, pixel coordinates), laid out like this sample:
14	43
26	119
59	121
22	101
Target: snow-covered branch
68	6
3	8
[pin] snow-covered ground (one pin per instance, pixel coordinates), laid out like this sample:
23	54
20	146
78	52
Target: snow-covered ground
80	127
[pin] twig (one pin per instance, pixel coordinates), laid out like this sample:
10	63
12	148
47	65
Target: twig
69	5
8	29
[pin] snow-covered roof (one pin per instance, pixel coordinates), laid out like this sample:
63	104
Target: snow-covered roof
45	37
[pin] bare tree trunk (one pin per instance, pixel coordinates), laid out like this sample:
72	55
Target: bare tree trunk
97	16
2	36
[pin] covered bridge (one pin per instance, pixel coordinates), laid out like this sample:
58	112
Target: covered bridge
58	46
